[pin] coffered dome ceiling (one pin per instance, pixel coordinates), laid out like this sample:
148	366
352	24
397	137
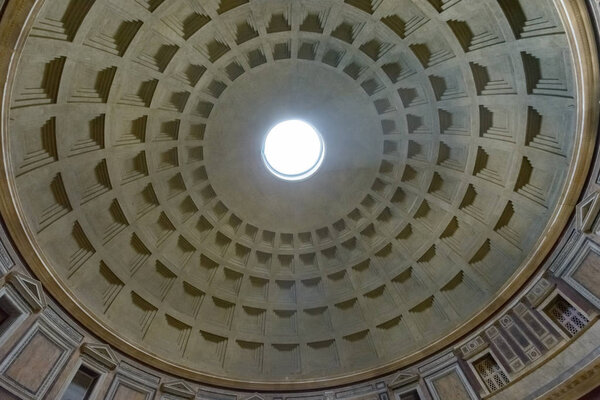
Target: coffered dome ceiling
134	155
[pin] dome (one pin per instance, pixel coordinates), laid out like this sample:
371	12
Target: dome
451	155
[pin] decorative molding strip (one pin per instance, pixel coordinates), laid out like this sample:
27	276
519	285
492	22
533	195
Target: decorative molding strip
473	346
178	388
31	290
587	212
403	379
61	325
6	261
539	292
101	353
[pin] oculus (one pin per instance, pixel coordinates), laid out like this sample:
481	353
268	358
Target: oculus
293	150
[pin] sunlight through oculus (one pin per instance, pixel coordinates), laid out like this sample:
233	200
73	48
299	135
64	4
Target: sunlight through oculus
293	150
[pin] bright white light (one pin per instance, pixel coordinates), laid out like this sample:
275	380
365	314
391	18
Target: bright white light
293	150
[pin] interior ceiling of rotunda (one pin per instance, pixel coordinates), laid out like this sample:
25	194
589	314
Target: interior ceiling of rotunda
134	154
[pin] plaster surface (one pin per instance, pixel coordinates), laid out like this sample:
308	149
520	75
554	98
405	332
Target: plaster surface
334	104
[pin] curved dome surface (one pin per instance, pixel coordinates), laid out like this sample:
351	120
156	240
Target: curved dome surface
134	150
